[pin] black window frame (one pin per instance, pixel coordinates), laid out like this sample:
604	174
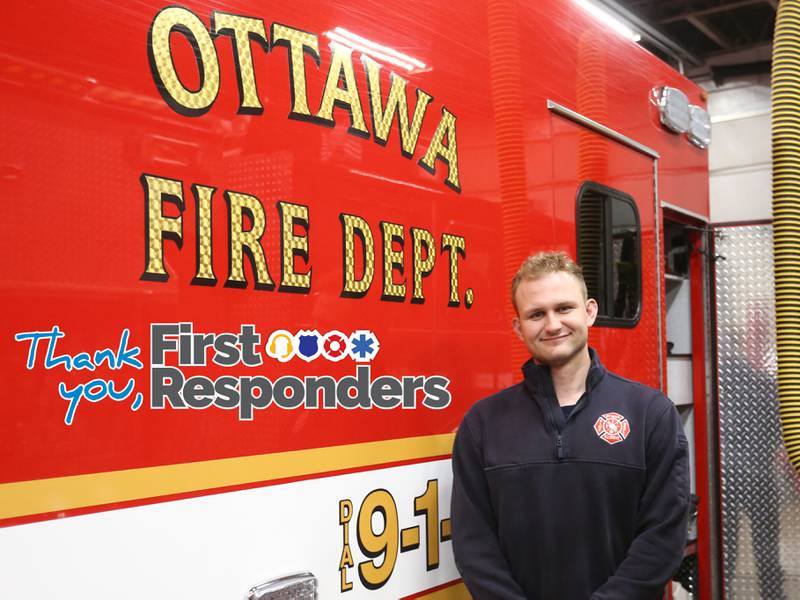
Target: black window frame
608	267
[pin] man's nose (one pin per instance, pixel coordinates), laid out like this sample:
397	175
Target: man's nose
552	322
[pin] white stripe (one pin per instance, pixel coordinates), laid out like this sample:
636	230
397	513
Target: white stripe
217	547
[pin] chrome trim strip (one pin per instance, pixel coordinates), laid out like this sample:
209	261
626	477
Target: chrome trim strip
600	128
712	456
659	278
634	145
683	211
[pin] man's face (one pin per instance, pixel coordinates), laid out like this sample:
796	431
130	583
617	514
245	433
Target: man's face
553	319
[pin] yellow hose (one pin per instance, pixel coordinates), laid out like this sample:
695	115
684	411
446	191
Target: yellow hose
786	217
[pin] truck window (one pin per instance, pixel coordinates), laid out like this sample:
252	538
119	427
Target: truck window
609	250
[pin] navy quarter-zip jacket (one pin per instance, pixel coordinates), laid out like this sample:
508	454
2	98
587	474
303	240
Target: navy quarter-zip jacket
592	507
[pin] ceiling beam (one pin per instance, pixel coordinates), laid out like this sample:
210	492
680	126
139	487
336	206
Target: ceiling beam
715	10
744	53
722	73
755	53
650	5
710	32
660	40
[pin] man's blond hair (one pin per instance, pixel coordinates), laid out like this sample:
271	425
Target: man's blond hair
545	263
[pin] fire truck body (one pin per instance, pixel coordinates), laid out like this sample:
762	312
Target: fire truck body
255	262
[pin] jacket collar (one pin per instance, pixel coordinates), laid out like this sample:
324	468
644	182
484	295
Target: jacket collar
539	383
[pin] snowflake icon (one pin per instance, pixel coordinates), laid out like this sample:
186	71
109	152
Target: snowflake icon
364	345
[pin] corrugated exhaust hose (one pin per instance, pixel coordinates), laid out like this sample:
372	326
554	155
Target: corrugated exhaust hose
786	217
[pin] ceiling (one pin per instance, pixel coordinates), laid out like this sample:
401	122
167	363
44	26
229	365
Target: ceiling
720	39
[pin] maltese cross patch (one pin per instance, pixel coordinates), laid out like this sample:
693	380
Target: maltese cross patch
612	428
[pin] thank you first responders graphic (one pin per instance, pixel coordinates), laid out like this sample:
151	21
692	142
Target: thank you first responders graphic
181	358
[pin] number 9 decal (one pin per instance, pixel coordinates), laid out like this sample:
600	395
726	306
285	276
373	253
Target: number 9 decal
374	544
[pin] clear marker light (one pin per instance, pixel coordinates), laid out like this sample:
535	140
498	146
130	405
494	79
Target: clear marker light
299	586
699	132
673	107
606	18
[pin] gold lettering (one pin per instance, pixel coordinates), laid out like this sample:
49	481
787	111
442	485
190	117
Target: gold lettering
299	43
448	154
345	514
381	546
203	249
346	561
246	241
423	241
181	99
293	245
455	245
242	30
158	190
392	260
396	103
341	71
347	558
352	227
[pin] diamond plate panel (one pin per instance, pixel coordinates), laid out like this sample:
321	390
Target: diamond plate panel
760	500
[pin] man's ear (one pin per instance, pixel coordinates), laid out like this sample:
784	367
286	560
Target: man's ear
591	311
516	326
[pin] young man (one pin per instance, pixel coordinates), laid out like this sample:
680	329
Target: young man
572	485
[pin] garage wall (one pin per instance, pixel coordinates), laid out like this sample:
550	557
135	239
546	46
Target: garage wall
740	152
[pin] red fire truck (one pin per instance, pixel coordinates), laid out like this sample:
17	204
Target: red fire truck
255	261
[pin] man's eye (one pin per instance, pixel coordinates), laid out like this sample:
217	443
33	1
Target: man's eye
565	309
537	315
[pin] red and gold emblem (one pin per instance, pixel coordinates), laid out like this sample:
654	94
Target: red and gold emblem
612	427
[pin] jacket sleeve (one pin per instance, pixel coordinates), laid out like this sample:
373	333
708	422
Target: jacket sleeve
656	551
479	559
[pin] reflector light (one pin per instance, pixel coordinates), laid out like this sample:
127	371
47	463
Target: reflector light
699	127
300	586
673	106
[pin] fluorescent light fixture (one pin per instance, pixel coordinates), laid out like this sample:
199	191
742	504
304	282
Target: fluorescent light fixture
375	50
606	18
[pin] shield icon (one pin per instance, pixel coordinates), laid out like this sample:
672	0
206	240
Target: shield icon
308	345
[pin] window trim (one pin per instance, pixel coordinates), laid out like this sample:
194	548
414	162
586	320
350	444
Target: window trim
605	320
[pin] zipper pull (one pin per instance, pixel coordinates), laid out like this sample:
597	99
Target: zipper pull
559	447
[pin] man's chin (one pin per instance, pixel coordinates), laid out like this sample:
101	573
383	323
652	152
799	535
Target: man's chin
552	360
557	357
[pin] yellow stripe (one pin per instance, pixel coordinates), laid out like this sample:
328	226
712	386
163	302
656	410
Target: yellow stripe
78	491
453	592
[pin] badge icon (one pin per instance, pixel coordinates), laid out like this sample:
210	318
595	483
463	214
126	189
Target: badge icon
364	345
612	428
308	344
334	346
